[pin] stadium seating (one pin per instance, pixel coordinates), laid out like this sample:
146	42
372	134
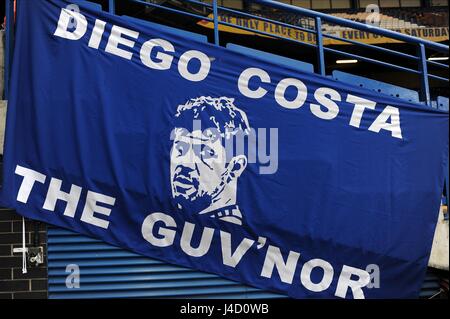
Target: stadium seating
88	4
296	64
389	18
442	103
386	21
380	87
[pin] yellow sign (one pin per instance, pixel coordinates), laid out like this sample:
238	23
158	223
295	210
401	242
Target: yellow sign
437	34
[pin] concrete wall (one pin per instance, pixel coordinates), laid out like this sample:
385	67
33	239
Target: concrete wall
440	251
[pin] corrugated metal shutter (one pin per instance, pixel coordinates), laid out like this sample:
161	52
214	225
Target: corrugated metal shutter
110	272
431	286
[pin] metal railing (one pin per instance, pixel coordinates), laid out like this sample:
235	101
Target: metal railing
419	59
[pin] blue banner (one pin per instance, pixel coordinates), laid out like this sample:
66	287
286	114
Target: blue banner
187	152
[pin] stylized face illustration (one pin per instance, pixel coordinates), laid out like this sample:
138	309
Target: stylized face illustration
203	175
198	167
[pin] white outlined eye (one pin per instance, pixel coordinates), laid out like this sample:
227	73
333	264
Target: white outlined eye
207	152
181	148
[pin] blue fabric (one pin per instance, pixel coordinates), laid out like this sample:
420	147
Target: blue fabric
337	195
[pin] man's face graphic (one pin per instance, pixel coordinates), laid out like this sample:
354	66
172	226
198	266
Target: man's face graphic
198	168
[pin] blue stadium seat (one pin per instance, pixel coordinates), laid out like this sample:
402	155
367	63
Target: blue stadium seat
88	4
300	65
164	28
434	104
380	87
442	103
